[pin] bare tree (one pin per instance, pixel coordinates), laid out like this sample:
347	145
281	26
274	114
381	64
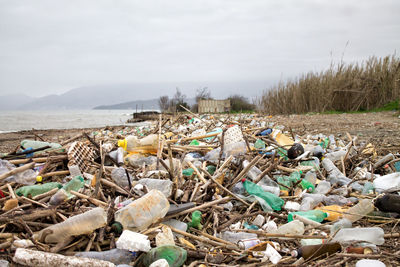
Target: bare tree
179	100
163	102
202	93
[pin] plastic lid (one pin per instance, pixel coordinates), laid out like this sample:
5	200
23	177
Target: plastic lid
39	179
243	180
117	227
122	143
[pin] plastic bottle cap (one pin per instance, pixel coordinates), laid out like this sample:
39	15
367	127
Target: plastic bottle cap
39	179
243	180
122	143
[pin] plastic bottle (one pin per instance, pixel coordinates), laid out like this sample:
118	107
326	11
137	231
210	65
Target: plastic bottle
196	220
165	186
175	256
372	235
266	183
323	187
334	174
308	203
342	223
334	212
311	177
336	155
117	155
235	237
39	144
368	188
388	203
389	182
336	200
259	144
177	225
34	190
313	251
315	215
116	256
318	198
138	160
81	224
27	177
142	212
275	202
384	160
118	175
146	145
64	193
359	210
294	227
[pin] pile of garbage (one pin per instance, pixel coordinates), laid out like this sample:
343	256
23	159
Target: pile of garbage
215	190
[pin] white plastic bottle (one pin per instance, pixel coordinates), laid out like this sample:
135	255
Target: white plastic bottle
142	212
81	224
294	227
372	235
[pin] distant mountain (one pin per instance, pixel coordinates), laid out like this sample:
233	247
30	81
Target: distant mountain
14	101
139	104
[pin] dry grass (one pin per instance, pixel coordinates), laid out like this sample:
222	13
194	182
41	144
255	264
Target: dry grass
343	87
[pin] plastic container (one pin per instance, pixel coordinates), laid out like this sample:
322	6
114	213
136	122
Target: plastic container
266	183
334	212
275	202
315	215
308	203
138	160
336	200
27	177
165	186
359	210
116	256
117	155
389	182
294	227
370	263
34	190
313	251
64	193
372	235
142	212
81	224
133	241
175	256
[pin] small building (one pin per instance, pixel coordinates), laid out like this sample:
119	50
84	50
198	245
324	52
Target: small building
214	106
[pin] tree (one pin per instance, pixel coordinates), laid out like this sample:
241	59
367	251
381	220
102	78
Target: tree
201	93
179	100
240	103
163	102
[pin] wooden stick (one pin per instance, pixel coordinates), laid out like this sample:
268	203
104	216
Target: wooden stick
49	174
272	235
90	199
203	206
245	170
38	160
71	139
17	170
201	177
193	137
115	186
49	193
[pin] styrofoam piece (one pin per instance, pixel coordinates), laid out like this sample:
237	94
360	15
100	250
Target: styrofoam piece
133	241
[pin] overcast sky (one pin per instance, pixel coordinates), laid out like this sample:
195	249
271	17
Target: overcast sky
51	46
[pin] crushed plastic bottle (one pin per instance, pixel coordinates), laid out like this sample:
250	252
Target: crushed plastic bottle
64	193
275	202
294	227
81	224
142	212
34	190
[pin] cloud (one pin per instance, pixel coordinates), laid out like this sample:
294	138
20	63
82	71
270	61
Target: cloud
51	46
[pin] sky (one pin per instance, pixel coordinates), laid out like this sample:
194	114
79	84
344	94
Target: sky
52	46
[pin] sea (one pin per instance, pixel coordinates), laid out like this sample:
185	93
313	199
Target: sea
13	121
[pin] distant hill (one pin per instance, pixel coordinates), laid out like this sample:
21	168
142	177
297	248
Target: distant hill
10	102
139	104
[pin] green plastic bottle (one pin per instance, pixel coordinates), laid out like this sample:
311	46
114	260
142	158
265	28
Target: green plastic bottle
284	180
315	215
211	169
296	176
275	202
196	220
34	190
74	185
194	143
188	172
175	256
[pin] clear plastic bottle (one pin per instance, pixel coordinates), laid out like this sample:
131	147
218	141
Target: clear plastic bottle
342	223
39	144
308	203
138	160
336	200
142	212
323	187
311	177
266	183
336	155
235	237
27	177
81	224
359	210
372	235
294	227
165	186
334	174
313	251
116	256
